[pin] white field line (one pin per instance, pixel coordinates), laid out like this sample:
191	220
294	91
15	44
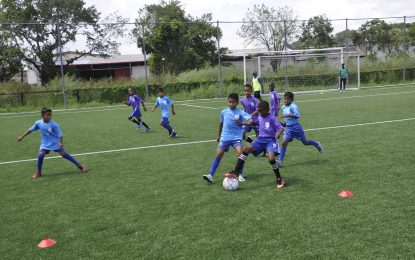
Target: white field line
69	112
349	97
61	110
200	142
187	105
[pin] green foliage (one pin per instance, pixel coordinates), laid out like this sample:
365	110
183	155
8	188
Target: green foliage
10	59
176	41
316	33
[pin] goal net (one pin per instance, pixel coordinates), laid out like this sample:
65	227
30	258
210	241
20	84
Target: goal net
303	70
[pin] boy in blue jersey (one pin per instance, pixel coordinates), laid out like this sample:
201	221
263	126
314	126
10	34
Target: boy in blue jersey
164	102
134	101
293	129
250	104
230	133
51	140
269	131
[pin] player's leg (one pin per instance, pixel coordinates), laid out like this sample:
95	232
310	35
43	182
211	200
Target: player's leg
344	84
40	157
301	136
216	161
69	157
243	157
247	129
146	126
272	152
164	122
239	150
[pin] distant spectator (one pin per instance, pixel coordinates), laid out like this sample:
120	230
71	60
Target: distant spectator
257	85
343	73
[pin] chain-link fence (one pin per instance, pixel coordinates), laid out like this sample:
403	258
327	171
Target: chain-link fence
376	51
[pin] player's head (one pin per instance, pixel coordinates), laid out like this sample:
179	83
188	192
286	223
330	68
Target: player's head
254	74
160	92
263	108
131	91
233	100
272	86
46	114
248	90
288	98
343	65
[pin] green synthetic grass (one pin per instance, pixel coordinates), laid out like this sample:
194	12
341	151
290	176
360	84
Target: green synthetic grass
152	203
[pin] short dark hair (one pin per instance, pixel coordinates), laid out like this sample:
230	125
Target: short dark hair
263	105
289	95
234	96
255	73
272	85
45	110
248	86
160	89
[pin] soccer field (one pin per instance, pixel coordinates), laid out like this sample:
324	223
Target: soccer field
145	198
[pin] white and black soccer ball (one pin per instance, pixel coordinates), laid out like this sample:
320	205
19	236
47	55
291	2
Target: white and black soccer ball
230	183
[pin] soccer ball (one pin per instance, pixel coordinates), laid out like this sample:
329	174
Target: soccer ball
230	183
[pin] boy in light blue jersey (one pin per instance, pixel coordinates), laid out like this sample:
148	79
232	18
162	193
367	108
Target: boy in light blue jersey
230	133
164	102
51	140
293	129
135	101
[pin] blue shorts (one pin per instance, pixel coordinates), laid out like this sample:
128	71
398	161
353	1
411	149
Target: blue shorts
136	113
225	145
265	144
45	151
164	121
294	131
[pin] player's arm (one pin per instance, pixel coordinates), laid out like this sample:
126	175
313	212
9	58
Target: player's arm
144	106
247	122
20	138
61	141
219	132
280	129
172	109
155	106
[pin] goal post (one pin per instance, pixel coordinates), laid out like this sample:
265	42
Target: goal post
304	70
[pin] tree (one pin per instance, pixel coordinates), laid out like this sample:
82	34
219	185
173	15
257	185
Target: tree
10	59
269	27
317	33
36	26
176	41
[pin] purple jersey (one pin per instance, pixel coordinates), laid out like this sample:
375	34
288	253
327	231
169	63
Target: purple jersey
134	101
268	126
251	106
274	99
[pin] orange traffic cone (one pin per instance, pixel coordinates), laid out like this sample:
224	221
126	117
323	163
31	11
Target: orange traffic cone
345	194
46	242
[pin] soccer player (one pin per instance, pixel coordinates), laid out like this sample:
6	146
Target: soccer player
274	99
51	140
293	129
257	85
134	101
250	105
230	133
344	74
164	102
269	131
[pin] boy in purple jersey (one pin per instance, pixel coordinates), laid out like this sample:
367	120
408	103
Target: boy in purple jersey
250	104
51	140
274	99
269	131
134	101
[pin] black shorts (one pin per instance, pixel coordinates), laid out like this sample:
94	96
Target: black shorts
257	94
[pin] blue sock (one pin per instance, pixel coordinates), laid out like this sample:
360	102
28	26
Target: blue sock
168	127
311	142
215	164
40	162
282	154
68	157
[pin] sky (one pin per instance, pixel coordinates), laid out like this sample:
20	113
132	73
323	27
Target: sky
226	10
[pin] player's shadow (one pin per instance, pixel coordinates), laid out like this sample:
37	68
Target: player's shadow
66	174
260	179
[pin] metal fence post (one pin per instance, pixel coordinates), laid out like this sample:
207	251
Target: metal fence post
65	98
285	54
347	35
145	62
219	60
244	69
404	51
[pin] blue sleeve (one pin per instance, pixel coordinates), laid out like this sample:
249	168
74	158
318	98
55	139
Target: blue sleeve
245	116
276	124
295	111
170	102
58	130
222	116
157	102
260	79
35	127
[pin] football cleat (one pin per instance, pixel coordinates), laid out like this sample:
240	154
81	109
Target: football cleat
208	178
36	175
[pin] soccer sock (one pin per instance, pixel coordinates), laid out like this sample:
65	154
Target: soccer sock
215	164
275	167
311	142
241	162
136	121
40	158
282	154
168	127
144	124
68	157
247	138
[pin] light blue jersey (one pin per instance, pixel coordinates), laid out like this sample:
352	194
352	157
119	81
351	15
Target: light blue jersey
51	134
164	103
231	129
291	109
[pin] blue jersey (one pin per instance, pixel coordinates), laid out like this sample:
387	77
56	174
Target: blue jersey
231	129
291	109
164	103
51	134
